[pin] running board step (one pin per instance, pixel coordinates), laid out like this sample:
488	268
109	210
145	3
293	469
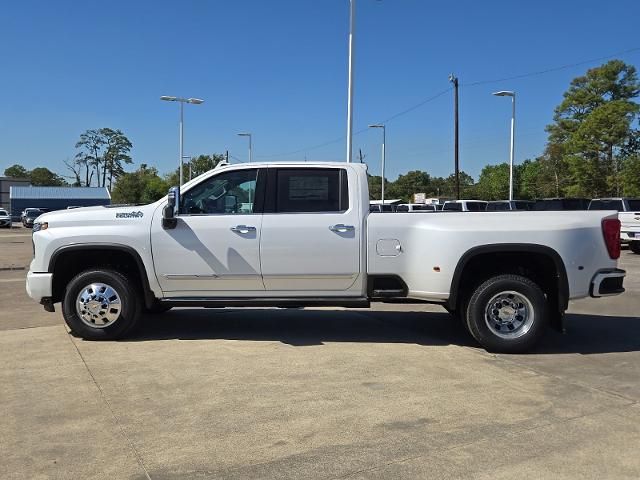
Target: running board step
208	302
388	293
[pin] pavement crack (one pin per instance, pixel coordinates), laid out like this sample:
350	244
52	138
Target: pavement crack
113	413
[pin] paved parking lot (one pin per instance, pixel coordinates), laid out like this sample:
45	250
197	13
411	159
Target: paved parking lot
318	393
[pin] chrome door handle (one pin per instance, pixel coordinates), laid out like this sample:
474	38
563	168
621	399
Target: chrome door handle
243	229
342	228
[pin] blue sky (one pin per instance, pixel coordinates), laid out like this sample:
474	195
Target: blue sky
278	68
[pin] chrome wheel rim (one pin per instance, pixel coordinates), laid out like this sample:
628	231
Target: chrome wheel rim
509	315
98	305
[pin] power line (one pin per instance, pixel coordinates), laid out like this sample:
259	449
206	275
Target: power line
362	130
550	70
443	92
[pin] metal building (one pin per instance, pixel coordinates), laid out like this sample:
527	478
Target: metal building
56	198
5	185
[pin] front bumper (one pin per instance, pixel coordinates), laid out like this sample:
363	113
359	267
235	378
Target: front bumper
39	285
607	283
5	222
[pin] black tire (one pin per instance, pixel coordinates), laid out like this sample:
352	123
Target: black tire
515	337
130	306
635	247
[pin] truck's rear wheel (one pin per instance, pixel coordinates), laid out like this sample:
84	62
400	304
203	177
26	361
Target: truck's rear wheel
635	247
507	313
100	305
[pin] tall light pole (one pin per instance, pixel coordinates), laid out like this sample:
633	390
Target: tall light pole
507	93
247	134
384	142
182	101
352	20
453	79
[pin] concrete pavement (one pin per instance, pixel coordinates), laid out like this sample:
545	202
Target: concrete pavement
392	392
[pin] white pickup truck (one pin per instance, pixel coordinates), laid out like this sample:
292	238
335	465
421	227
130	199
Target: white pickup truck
300	234
629	214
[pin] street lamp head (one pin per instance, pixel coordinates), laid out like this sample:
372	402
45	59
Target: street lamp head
195	101
504	93
244	134
376	125
168	99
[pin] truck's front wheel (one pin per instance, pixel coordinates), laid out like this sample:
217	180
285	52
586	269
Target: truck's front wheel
507	313
635	247
100	305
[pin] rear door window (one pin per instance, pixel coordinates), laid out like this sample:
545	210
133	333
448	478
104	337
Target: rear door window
311	190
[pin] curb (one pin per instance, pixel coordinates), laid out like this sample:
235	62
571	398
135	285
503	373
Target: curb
14	267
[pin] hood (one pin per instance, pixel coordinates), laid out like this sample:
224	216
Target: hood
99	215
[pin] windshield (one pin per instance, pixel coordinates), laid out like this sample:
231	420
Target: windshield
33	214
3	213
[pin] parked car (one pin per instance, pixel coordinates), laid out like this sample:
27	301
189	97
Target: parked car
30	215
464	206
415	207
5	219
559	204
629	215
25	211
506	205
377	208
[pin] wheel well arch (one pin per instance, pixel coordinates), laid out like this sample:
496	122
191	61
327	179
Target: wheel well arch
67	261
540	262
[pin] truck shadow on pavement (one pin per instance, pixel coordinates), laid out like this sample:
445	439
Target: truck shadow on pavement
586	334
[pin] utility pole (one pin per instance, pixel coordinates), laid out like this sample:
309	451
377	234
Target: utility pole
360	155
453	79
226	156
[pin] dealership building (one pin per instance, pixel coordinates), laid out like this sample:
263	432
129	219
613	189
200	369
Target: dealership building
55	198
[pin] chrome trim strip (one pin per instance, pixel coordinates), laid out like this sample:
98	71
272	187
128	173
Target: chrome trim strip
320	276
209	276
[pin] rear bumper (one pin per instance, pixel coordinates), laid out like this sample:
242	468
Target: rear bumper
629	236
606	283
39	285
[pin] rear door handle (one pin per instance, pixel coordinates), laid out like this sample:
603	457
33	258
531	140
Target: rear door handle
243	229
342	228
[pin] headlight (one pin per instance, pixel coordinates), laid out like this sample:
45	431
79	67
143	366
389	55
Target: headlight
37	226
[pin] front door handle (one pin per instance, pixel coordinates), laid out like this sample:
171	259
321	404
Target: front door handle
243	229
342	228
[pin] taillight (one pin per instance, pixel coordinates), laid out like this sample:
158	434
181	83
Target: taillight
611	233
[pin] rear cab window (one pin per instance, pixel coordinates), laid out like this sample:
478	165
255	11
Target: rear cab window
606	205
307	190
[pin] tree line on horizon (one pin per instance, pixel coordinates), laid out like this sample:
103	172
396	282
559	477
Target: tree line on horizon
592	150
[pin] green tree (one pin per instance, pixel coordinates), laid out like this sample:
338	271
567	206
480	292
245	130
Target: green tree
43	177
203	163
142	186
594	128
631	176
406	185
115	156
493	183
16	171
375	186
102	152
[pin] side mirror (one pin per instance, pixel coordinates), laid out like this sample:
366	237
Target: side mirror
169	220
